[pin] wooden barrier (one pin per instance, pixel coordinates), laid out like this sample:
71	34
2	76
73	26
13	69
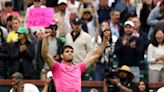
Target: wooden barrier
95	84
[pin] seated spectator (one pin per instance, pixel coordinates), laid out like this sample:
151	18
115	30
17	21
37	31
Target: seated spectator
123	83
20	86
160	89
49	84
143	86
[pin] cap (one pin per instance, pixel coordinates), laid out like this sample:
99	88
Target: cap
36	0
129	23
8	3
49	74
127	69
53	26
76	21
22	30
17	75
62	1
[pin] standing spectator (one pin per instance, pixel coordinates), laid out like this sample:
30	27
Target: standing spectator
143	86
148	6
105	62
13	36
123	84
128	49
156	55
103	11
79	39
89	21
114	23
36	4
62	18
8	11
126	9
138	32
21	55
155	16
54	48
3	56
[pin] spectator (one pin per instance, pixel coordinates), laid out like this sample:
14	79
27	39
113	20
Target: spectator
13	36
103	11
105	63
155	16
114	23
36	4
8	12
148	6
126	9
3	56
79	39
155	55
62	17
54	48
89	21
128	49
49	84
94	90
18	85
160	89
21	54
138	32
124	85
71	73
143	86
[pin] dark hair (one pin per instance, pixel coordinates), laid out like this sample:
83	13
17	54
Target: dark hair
113	10
146	85
8	3
51	87
66	47
158	27
3	40
102	33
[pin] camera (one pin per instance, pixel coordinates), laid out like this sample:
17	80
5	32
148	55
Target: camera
111	73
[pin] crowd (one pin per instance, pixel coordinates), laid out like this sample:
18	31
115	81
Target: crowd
135	45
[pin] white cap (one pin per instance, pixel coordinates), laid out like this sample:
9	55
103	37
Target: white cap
49	74
129	23
160	89
62	1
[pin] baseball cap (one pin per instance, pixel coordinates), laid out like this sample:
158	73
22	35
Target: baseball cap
22	30
129	23
49	74
76	21
62	1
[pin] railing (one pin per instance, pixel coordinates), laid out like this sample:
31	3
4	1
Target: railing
91	84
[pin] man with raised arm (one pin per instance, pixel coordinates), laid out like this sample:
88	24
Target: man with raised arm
66	75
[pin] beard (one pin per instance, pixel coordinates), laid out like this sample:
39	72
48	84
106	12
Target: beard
123	78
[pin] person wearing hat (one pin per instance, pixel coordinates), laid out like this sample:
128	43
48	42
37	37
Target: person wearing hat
123	83
21	54
62	17
78	35
128	49
55	47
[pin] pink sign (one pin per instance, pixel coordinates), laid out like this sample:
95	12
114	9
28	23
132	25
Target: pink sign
40	17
